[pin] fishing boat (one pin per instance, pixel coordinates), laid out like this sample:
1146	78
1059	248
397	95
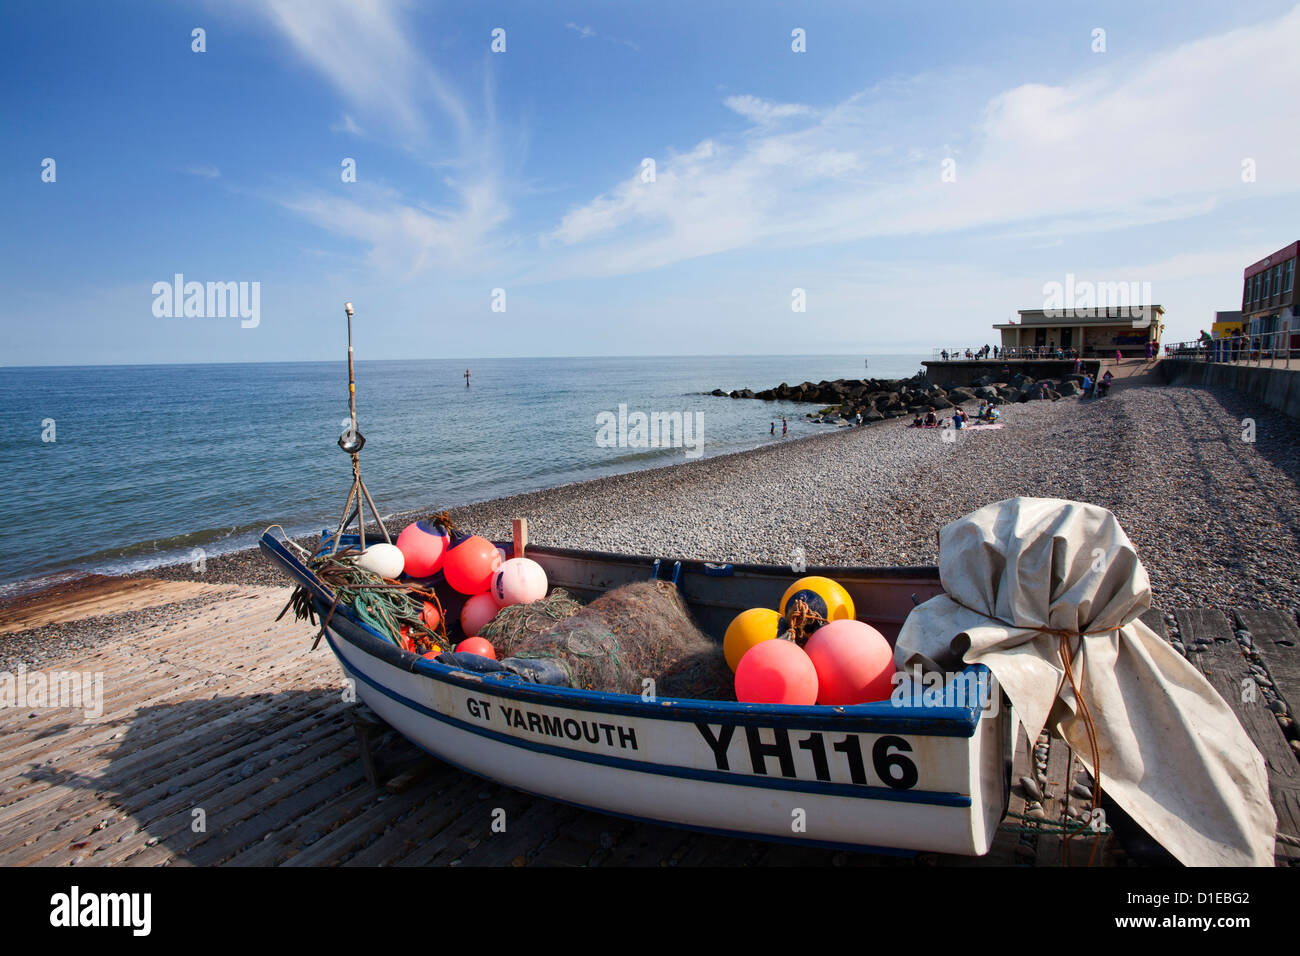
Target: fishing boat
889	777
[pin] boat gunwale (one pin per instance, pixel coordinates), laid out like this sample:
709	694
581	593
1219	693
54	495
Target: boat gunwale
877	717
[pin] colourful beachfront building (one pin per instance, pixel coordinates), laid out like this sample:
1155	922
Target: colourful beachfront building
1091	331
1268	296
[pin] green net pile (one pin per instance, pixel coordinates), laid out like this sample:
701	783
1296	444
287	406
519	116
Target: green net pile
635	633
517	623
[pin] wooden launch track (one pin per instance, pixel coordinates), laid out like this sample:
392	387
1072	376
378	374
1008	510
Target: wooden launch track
224	740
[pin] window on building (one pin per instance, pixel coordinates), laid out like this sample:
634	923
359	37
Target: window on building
1254	288
1289	282
1277	279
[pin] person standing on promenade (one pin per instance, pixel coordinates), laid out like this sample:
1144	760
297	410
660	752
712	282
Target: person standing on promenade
1119	357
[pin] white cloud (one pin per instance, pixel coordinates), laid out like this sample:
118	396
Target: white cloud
764	111
587	33
365	51
346	124
405	237
1135	142
204	172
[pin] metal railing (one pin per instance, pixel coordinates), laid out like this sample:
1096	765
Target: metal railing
1039	352
1271	347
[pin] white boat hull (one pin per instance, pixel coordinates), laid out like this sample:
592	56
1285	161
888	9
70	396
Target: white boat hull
724	771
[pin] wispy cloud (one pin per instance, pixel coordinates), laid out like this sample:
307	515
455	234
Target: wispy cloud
764	112
588	33
1130	143
365	50
346	124
204	172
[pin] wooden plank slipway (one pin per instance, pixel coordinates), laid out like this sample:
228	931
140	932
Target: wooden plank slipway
1213	647
225	740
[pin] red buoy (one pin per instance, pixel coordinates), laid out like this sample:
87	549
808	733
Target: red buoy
854	663
423	545
477	613
776	672
470	564
477	645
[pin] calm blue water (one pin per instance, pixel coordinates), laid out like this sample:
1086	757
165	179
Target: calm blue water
149	462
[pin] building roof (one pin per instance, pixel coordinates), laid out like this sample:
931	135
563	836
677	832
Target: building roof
1112	315
1283	254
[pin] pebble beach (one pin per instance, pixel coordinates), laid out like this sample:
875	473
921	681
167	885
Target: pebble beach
1213	516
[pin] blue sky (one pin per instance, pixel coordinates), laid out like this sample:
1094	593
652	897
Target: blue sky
522	171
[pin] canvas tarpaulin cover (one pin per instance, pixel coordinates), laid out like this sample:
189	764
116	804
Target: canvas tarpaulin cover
1026	577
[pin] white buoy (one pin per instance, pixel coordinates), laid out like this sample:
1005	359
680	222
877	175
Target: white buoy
382	559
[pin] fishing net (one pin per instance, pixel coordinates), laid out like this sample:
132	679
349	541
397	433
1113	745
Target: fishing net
390	607
518	623
635	633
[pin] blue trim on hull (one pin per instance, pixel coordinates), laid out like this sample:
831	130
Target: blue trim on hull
878	718
927	797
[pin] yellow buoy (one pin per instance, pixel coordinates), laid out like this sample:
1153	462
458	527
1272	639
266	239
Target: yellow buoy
823	596
751	627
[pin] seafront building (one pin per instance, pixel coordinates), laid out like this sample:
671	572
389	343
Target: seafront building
1268	295
1093	332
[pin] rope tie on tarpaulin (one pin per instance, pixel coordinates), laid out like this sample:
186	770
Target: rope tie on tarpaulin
1066	654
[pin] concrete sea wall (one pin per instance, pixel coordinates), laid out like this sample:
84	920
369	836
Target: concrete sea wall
1276	387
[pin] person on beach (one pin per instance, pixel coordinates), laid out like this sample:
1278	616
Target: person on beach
784	425
931	419
958	418
1104	385
774	428
1087	386
857	418
1119	357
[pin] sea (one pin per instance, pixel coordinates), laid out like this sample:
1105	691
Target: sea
114	469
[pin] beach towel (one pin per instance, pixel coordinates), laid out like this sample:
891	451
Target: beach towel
1027	577
987	426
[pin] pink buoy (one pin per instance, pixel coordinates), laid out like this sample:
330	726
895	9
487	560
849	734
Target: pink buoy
470	564
423	545
776	672
519	581
854	663
477	645
477	613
